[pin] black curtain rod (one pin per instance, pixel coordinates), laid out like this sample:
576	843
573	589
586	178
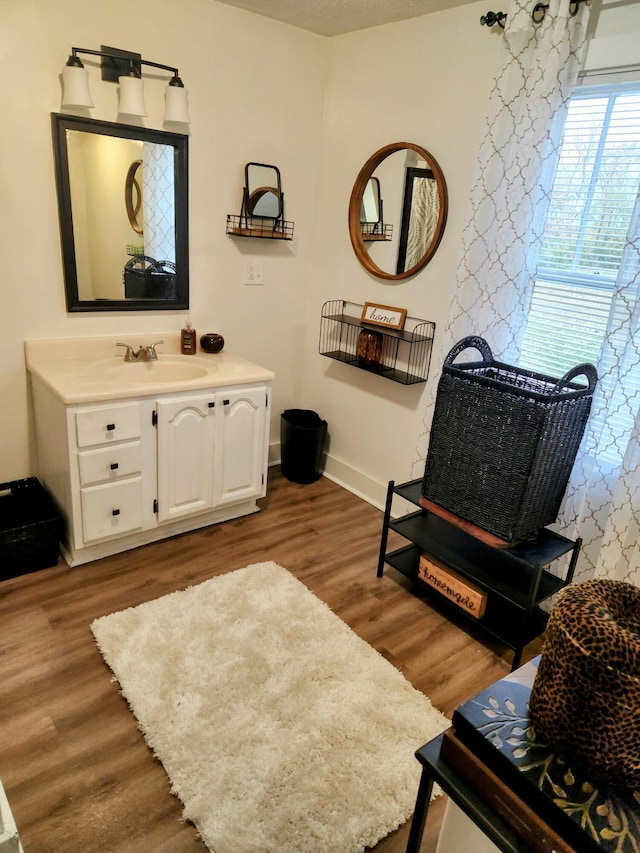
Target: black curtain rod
537	15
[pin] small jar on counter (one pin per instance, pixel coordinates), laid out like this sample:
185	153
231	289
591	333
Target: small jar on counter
211	342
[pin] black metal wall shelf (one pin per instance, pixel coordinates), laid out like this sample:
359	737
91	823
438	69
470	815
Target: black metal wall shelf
516	579
402	355
267	229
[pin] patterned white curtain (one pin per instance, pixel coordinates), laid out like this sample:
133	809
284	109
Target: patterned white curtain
495	278
509	199
602	504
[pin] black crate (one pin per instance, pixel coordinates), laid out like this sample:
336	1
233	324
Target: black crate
30	528
503	441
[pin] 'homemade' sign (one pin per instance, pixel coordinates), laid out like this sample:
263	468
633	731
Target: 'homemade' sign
465	595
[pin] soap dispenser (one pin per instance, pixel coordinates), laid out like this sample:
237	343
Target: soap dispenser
188	340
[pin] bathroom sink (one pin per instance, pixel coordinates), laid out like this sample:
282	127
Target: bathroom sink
84	370
153	371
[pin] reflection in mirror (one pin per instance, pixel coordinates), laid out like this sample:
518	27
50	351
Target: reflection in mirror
416	194
420	212
372	224
130	256
133	196
264	203
370	211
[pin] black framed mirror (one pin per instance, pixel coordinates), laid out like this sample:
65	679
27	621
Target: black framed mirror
416	205
264	191
123	209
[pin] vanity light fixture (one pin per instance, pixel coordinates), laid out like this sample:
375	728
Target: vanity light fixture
125	68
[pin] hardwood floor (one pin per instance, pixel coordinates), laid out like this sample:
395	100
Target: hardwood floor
77	773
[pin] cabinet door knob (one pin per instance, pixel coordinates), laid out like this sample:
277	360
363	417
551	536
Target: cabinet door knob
111	427
113	466
211	405
115	512
226	402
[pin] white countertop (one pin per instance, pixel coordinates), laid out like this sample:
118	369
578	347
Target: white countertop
85	370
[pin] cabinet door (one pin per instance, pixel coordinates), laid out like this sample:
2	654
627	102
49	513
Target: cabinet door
186	436
241	445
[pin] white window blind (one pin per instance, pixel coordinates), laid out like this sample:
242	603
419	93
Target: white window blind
592	200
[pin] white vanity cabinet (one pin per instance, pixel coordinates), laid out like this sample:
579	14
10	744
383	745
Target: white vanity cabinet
131	471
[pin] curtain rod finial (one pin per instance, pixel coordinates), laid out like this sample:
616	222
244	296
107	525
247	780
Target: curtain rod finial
492	18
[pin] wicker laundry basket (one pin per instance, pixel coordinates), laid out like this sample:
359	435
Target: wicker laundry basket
503	441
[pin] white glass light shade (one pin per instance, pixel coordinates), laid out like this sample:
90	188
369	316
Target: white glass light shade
131	96
176	106
75	87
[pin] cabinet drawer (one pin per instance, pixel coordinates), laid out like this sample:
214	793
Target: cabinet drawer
109	463
111	509
107	424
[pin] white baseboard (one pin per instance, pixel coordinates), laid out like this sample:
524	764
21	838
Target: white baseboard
274	454
345	475
355	481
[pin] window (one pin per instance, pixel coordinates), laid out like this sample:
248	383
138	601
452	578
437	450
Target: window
592	200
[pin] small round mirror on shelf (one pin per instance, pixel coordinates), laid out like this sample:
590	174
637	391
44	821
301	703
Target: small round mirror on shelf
411	207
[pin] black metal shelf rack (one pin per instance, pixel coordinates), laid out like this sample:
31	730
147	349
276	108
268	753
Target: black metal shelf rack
516	579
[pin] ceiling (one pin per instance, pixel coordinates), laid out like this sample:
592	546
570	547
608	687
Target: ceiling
334	17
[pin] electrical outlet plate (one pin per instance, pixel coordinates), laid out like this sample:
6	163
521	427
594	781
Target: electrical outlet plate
253	273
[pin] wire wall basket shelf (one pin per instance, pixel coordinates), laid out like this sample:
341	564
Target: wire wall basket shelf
269	229
401	355
376	232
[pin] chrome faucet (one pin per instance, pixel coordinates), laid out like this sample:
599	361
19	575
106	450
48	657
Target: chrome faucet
144	353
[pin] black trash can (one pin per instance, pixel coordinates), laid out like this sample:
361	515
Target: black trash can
303	434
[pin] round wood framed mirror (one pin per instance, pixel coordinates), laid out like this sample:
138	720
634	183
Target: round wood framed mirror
411	211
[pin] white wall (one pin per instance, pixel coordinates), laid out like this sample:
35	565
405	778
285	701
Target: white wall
262	91
256	91
424	81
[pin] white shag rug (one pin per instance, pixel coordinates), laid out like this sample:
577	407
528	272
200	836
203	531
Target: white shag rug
280	729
